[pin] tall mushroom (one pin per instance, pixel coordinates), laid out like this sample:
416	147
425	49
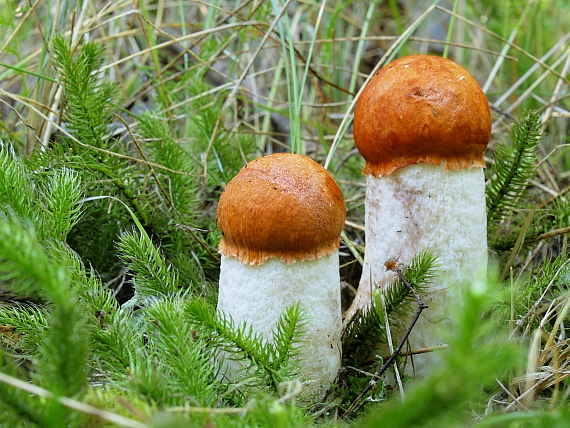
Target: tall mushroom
281	217
422	124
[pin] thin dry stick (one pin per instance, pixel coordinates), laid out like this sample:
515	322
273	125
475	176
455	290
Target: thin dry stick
502	39
237	85
165	194
515	399
397	351
21	21
539	301
390	342
551	234
530	71
75	140
518	245
183	38
54	109
68	402
530	90
556	94
424	350
347	117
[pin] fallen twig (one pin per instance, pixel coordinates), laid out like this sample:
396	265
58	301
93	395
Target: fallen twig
397	351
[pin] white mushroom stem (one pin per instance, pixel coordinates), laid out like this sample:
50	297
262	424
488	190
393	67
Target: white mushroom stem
259	296
418	207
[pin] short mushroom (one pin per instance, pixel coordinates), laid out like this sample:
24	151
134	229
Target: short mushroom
281	217
422	124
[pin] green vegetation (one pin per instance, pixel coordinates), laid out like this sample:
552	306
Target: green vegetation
122	122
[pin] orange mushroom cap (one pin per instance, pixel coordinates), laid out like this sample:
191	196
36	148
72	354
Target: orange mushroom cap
282	206
421	108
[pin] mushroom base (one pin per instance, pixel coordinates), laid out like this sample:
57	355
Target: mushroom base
424	207
258	295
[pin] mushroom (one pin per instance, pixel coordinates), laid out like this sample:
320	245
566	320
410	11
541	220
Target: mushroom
281	217
422	124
